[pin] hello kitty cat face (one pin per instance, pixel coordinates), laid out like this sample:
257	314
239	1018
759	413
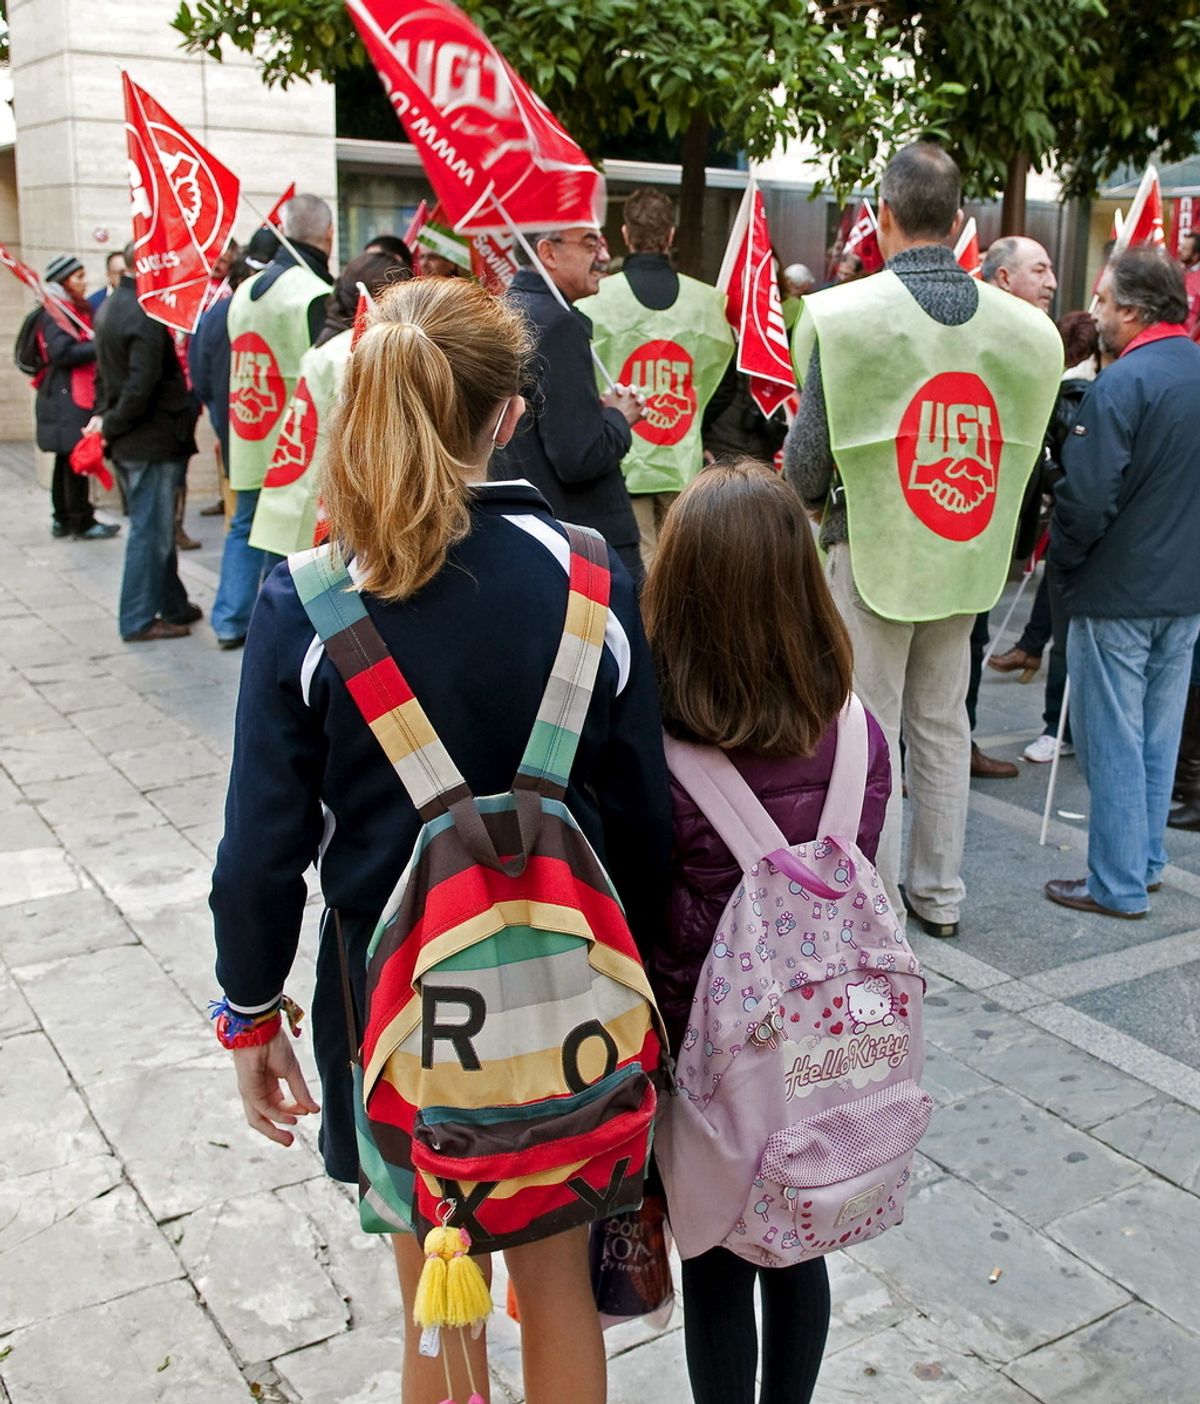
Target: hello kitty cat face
870	1002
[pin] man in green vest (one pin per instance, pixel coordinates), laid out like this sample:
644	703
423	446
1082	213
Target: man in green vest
273	320
925	398
666	336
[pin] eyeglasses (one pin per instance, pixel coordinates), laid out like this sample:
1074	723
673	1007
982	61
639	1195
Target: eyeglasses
592	242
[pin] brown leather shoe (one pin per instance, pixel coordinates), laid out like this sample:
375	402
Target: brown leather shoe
1016	660
160	629
1073	893
184	542
214	509
984	767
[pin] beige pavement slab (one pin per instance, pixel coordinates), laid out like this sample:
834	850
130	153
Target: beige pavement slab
44	1119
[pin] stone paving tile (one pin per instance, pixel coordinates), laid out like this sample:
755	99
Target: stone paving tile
911	1364
168	762
971	1026
194	1104
21	828
148	869
99	691
87	797
1133	1355
861	1303
45	1121
16	1017
654	1370
1162	1010
946	1079
56	754
74	1237
1024	1158
360	1264
256	1265
180	938
150	1346
1074	1085
1163	1135
198	801
358	1367
1146	1238
941	1259
52	928
148	1024
38	872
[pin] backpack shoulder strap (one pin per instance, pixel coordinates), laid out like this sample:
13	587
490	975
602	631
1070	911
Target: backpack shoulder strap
554	741
725	799
375	682
842	811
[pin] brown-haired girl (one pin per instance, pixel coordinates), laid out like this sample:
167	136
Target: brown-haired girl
466	582
753	658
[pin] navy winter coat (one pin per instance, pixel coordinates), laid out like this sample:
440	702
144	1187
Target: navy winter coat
1127	512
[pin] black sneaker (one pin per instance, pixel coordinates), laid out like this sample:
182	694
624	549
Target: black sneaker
191	615
58	531
99	531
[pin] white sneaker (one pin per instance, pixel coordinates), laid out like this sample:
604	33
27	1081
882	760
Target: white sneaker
1041	751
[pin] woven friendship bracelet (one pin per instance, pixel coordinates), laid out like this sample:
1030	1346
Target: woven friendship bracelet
235	1030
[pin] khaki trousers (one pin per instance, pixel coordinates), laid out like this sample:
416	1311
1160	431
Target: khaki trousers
916	675
650	508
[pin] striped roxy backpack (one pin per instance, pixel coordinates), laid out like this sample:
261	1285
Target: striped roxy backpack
505	1078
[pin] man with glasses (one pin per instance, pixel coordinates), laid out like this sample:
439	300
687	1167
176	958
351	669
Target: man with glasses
571	441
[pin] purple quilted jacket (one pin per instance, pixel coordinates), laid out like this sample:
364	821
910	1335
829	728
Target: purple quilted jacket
704	873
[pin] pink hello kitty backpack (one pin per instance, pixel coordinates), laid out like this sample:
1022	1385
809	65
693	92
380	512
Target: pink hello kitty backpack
799	1106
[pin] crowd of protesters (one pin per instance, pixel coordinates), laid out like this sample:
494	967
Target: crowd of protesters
444	454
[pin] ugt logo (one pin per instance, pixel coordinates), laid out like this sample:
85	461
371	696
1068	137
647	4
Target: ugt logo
256	387
297	441
662	372
948	455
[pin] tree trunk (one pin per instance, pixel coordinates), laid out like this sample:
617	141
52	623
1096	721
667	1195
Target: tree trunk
689	238
1012	216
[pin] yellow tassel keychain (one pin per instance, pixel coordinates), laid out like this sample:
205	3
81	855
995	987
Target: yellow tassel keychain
451	1294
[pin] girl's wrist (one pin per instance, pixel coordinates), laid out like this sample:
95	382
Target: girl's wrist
235	1029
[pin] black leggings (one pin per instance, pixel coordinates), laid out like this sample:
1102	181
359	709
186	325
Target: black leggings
722	1342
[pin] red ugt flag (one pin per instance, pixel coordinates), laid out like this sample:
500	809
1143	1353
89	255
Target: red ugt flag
753	308
59	311
966	251
863	239
275	216
184	204
492	150
1144	222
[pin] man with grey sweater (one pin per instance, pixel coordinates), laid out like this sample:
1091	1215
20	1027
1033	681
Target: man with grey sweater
923	437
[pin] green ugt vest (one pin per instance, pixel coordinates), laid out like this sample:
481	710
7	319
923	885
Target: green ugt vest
287	506
267	338
935	431
674	356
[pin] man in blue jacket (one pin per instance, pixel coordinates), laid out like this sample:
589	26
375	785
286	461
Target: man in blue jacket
1123	540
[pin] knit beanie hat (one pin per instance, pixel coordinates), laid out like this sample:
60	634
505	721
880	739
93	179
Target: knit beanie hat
59	269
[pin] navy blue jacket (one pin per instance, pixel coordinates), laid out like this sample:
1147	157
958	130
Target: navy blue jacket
568	445
208	365
476	645
1127	512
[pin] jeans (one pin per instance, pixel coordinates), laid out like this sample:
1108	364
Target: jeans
1129	682
1037	632
979	642
243	569
70	497
1056	668
150	585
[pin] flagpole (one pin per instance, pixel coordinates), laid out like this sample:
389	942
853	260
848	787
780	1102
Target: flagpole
277	230
555	290
1058	743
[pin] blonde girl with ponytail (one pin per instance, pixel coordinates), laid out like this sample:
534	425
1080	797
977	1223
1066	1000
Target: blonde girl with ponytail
466	582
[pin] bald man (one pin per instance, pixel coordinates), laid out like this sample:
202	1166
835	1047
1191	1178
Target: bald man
1022	267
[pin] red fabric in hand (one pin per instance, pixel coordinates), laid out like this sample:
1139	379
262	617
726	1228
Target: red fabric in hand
87	459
